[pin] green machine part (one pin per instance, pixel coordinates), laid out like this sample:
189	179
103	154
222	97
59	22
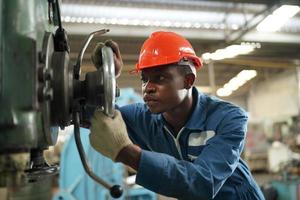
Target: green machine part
23	135
22	28
40	91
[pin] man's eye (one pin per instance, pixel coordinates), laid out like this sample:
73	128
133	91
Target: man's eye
144	80
161	78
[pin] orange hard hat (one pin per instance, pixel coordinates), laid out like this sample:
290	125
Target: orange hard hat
163	48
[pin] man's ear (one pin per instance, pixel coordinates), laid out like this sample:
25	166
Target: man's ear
189	80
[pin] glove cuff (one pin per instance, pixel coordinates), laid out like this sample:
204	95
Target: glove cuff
122	141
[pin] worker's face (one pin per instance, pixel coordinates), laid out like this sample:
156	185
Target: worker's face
163	88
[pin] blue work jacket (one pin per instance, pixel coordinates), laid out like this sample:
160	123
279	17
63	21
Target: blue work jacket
203	161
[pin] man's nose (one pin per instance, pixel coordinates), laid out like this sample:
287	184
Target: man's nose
149	87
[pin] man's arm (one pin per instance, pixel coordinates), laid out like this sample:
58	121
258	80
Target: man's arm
130	155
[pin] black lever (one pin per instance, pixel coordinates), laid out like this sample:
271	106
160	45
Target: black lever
116	190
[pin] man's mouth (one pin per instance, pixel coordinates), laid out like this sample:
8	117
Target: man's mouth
149	99
150	102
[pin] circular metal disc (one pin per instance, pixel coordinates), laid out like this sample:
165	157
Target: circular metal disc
50	131
109	81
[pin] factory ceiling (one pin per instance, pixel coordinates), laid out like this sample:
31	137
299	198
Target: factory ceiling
209	25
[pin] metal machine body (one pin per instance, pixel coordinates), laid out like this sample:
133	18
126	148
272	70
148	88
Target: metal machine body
40	91
21	129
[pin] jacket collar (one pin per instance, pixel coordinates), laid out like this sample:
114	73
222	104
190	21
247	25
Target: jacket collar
198	117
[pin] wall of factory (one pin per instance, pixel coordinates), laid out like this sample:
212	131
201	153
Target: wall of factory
276	98
239	101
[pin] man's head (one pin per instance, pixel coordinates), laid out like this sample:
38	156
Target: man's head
166	87
168	64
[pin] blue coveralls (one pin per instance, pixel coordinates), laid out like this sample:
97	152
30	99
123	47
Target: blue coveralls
203	161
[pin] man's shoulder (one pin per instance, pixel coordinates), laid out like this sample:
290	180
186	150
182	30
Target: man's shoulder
220	113
217	106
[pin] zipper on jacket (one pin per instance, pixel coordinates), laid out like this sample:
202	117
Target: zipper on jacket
176	140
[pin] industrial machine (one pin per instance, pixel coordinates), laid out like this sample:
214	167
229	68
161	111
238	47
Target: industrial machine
40	91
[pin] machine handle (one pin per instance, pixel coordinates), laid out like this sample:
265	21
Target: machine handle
116	190
83	48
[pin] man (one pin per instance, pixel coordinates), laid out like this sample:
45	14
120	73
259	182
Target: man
182	143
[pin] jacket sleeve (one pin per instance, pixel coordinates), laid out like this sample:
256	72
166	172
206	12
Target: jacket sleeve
203	178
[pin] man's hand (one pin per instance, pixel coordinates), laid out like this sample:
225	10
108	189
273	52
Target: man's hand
97	56
109	135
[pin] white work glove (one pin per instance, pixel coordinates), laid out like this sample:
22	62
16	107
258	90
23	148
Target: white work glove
108	135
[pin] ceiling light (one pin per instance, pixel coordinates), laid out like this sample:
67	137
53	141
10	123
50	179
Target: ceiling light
230	51
176	18
113	21
73	19
124	22
246	74
167	23
222	92
146	22
287	11
91	20
234	26
85	20
278	18
78	19
236	82
67	19
230	87
187	25
197	25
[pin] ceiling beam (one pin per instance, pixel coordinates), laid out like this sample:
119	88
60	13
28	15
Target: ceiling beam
267	2
260	62
250	24
194	34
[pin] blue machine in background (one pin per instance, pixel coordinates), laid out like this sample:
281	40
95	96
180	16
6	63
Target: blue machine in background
128	96
73	181
287	189
74	184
